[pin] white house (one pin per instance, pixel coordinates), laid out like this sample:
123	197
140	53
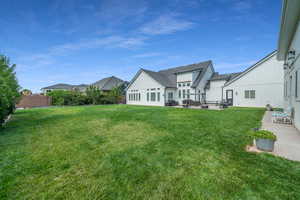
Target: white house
257	86
179	83
289	52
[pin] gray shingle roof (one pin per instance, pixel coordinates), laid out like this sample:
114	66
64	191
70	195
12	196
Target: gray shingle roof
161	78
168	78
225	77
61	86
108	83
221	77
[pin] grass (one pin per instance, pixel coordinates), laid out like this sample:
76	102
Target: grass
134	152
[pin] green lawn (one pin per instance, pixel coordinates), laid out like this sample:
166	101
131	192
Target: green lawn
130	152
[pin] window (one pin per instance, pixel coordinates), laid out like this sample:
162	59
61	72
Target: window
183	94
158	96
188	84
179	84
170	95
147	96
179	94
152	96
252	94
188	93
296	84
139	96
249	94
183	84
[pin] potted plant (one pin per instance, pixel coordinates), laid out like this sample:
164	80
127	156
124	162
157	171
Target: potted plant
264	139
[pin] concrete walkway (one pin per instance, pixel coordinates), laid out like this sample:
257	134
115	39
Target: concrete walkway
288	138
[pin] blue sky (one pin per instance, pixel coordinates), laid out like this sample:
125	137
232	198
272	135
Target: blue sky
82	41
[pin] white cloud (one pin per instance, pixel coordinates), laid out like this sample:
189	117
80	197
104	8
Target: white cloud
108	42
146	55
166	24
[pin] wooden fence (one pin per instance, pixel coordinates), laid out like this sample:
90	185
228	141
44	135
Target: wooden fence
34	101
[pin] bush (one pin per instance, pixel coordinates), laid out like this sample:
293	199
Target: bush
92	96
68	98
9	88
263	134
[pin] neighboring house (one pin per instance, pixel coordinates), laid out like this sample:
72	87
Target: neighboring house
179	83
109	83
289	52
257	86
105	84
60	86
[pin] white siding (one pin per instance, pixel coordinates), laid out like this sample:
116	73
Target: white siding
182	77
186	81
267	81
214	93
142	85
203	81
290	99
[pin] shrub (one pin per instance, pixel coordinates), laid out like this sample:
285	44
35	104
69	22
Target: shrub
94	95
68	98
9	88
263	134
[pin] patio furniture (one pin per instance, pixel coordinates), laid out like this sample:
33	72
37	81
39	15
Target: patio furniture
187	102
283	117
204	106
171	103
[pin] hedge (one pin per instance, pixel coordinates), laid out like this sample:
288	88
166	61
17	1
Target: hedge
9	88
91	96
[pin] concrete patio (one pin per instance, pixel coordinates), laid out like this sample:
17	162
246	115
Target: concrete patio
288	138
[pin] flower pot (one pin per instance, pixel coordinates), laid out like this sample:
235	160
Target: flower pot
264	144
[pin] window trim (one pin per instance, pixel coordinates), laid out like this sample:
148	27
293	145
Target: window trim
248	94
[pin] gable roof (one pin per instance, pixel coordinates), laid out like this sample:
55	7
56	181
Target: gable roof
160	77
61	86
108	83
251	67
168	78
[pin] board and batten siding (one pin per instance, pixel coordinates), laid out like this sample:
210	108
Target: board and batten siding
266	80
143	84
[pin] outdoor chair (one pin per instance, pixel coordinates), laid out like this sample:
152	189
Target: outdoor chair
283	117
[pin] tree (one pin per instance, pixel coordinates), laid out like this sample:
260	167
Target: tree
9	88
115	95
94	95
26	92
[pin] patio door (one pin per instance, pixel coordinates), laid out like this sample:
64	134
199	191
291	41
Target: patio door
229	97
170	96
